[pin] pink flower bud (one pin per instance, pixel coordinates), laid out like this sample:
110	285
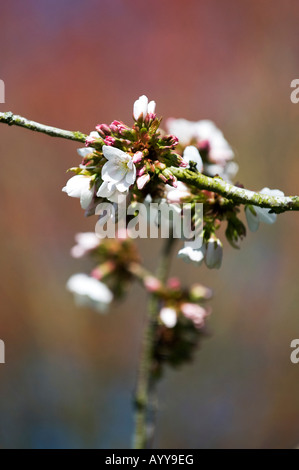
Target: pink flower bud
195	313
141	171
117	127
103	129
174	283
152	284
103	270
163	178
109	140
143	180
137	157
92	138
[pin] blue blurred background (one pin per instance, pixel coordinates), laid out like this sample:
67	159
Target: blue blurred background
70	373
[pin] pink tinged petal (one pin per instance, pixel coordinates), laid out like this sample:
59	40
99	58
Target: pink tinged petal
142	181
113	153
141	171
93	136
195	313
168	316
86	241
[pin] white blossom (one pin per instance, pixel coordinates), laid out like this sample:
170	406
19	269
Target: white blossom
89	292
255	215
142	107
192	154
79	186
219	148
214	253
85	151
85	242
92	137
204	132
182	129
175	195
118	173
191	255
168	316
109	191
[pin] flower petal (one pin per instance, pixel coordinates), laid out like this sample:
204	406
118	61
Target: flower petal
112	152
111	171
85	151
265	216
252	219
190	255
86	198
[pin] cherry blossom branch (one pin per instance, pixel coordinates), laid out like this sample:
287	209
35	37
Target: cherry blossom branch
236	194
15	120
143	427
217	185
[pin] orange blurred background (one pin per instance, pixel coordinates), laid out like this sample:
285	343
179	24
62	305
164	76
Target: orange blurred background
70	373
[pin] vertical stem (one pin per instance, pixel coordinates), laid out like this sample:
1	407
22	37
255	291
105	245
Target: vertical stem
144	382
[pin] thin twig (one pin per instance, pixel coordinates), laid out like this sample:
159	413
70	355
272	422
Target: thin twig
143	428
15	120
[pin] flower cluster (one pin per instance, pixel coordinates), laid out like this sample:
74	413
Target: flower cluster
133	165
181	326
215	152
118	158
110	275
123	164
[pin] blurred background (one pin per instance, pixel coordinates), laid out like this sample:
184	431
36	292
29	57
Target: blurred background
70	373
